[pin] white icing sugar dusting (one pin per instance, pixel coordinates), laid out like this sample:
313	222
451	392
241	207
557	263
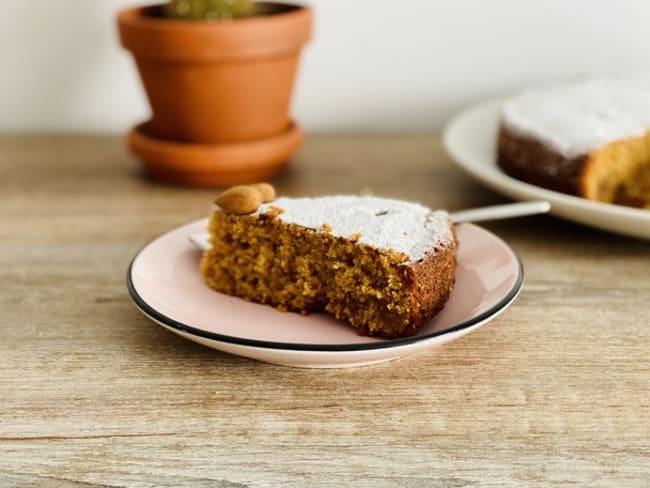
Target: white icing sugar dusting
576	118
383	223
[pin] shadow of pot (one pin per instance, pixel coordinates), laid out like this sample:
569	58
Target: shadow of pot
216	83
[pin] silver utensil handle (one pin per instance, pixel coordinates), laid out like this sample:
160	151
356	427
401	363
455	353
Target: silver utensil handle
496	212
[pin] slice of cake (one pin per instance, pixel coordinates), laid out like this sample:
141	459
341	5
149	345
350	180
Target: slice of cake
384	266
590	139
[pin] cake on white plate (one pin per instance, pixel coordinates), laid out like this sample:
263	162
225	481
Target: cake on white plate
588	138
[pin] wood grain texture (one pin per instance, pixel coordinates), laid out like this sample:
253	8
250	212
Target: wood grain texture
554	392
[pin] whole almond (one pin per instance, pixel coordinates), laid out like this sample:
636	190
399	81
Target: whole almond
240	200
267	191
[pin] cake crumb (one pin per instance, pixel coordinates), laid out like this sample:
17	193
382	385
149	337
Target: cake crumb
355	237
327	228
274	211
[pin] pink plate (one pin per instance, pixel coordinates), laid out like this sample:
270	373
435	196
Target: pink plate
165	284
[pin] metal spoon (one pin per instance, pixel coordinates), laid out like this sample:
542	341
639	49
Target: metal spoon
495	212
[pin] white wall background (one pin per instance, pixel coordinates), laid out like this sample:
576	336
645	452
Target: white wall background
373	65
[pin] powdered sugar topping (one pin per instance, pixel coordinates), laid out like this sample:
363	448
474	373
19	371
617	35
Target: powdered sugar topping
576	118
383	223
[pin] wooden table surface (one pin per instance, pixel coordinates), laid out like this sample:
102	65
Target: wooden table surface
554	392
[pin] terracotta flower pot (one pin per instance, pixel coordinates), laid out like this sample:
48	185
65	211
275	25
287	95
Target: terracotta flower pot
217	83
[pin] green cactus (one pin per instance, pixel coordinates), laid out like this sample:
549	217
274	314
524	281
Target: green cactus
208	9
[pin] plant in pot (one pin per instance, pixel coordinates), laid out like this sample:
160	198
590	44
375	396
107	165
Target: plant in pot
219	77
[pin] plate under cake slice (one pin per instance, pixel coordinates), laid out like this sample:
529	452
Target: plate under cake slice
384	266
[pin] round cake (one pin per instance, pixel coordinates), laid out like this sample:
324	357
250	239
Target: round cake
384	266
588	138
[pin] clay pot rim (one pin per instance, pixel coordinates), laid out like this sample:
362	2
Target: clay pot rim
258	36
139	15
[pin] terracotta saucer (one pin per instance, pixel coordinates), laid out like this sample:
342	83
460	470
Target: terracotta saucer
213	164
